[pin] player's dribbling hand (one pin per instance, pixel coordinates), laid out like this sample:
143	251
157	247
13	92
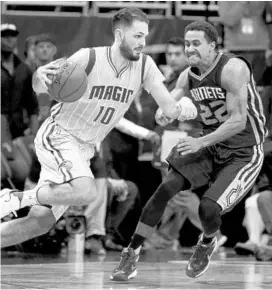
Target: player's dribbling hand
188	145
161	119
44	71
187	109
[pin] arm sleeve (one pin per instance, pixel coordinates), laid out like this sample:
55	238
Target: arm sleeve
151	74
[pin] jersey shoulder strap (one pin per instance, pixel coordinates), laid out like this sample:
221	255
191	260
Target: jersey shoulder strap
91	62
143	67
92	57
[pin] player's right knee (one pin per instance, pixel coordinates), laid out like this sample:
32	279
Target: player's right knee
43	218
208	210
85	190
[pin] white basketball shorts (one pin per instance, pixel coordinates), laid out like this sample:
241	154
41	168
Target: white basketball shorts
62	157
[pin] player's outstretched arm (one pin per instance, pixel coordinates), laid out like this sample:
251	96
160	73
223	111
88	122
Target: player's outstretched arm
182	86
136	131
234	79
132	129
179	105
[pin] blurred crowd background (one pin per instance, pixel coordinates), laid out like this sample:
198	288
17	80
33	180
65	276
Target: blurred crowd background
128	168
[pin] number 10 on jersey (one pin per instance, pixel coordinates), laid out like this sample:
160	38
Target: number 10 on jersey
104	115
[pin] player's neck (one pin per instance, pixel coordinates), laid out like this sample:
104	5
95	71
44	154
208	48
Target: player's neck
207	63
117	58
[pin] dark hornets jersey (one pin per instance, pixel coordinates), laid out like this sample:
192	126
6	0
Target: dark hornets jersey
210	99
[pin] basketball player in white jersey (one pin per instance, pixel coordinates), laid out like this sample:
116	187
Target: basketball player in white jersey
65	142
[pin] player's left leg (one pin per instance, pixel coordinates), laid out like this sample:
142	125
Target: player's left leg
39	221
65	177
232	182
151	215
185	172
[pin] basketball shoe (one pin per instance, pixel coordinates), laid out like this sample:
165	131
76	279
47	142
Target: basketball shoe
127	266
245	249
200	260
8	202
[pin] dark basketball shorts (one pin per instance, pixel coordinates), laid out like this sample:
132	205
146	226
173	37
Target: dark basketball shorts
228	173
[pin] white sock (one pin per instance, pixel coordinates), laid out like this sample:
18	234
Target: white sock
137	251
253	220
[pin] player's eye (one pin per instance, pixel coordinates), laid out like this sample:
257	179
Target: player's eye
196	43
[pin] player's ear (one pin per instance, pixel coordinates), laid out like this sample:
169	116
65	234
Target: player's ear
54	50
212	45
119	34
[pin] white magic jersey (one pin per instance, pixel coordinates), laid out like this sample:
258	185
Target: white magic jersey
108	96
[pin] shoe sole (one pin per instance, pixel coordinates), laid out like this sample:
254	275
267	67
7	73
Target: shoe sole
119	279
205	269
243	251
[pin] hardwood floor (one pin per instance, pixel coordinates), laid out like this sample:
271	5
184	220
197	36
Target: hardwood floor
156	270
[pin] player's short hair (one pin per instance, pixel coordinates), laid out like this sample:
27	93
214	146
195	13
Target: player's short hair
177	41
210	32
127	16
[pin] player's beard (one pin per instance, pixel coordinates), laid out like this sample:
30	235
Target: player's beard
127	52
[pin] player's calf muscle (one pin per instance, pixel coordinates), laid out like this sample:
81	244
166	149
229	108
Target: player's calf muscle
43	216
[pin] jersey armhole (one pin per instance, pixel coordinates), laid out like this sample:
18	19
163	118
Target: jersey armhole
143	67
91	61
219	71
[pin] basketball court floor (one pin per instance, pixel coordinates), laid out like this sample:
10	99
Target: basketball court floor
156	270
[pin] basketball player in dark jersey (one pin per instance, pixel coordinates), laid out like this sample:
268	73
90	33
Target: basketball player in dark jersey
225	161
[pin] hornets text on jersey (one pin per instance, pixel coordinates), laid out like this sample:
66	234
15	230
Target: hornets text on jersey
210	99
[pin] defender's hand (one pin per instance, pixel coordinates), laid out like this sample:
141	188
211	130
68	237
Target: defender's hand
154	138
188	145
161	119
187	109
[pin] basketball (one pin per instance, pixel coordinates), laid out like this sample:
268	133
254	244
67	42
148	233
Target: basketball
69	84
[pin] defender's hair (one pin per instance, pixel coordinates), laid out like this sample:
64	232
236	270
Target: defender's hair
126	16
210	32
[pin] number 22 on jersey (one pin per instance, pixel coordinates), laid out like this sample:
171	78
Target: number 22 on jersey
213	113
